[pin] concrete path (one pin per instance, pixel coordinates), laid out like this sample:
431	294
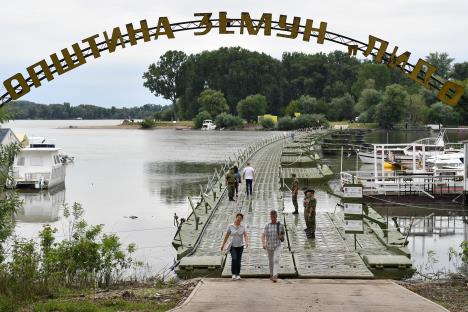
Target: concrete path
304	295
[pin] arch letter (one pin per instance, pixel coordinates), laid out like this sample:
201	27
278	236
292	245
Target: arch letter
381	51
166	25
293	29
422	73
308	29
205	22
112	42
69	62
456	89
44	70
143	30
21	83
91	41
398	61
246	22
224	22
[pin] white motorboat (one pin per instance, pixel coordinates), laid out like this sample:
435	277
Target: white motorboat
208	125
447	161
426	147
38	166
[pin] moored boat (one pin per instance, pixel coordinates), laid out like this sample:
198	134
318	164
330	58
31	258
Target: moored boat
39	166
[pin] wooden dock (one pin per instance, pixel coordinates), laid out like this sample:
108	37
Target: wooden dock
331	255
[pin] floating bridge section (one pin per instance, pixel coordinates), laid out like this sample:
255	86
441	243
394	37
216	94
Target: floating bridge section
331	255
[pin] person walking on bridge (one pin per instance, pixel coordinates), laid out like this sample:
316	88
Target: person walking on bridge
272	236
294	192
248	175
231	183
238	236
238	179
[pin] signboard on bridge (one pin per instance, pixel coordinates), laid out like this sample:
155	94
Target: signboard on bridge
352	191
354	227
353	209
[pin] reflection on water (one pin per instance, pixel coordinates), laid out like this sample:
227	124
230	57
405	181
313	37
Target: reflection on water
174	181
41	206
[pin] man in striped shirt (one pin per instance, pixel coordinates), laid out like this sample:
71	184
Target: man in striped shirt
272	236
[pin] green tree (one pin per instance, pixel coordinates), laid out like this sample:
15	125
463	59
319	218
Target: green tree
442	113
367	104
460	71
162	79
443	63
252	106
201	116
213	102
379	73
341	108
392	107
293	107
416	112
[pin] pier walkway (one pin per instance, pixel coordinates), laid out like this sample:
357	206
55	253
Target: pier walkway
330	255
305	295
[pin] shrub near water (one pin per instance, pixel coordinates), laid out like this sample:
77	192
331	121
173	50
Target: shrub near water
303	121
85	258
229	121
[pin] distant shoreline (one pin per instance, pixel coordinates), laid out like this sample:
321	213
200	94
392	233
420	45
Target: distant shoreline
130	126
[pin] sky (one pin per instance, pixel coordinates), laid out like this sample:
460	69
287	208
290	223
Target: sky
32	30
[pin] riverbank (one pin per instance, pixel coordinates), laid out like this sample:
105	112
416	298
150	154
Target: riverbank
451	294
126	297
180	125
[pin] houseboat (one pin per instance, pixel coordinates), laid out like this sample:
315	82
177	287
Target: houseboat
38	166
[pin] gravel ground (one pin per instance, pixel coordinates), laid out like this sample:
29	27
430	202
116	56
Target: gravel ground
451	293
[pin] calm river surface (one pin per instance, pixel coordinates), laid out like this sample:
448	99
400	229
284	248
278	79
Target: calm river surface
119	173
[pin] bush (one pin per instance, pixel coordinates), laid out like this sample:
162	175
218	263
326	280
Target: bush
303	121
285	123
148	123
229	121
267	123
85	258
201	116
310	120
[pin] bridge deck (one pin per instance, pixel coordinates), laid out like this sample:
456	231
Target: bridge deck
327	256
330	255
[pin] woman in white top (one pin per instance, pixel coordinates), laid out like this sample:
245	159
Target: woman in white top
238	236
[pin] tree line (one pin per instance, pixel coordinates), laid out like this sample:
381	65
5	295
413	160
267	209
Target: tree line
31	110
242	83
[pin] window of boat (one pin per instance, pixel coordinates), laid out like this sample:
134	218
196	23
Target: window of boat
20	161
36	161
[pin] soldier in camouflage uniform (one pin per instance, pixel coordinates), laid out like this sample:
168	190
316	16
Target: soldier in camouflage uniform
294	192
309	214
231	183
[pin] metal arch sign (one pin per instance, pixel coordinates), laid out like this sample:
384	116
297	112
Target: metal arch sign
58	64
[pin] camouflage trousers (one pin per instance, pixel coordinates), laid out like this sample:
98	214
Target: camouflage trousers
231	190
294	201
309	221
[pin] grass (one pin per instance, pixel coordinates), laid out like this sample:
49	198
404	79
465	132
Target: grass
355	125
168	124
109	305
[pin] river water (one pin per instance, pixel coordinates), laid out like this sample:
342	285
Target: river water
133	181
